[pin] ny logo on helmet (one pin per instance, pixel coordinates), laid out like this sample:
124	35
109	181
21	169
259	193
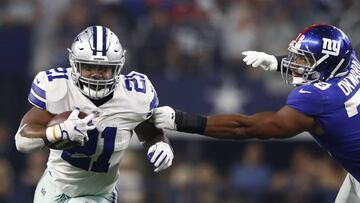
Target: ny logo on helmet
331	47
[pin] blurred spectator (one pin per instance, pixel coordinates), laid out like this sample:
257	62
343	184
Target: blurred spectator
350	21
238	33
155	49
7	147
302	177
76	16
193	42
130	182
207	183
6	140
250	177
6	183
29	177
19	12
330	176
180	183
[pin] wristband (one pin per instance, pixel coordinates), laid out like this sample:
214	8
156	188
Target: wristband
190	123
53	133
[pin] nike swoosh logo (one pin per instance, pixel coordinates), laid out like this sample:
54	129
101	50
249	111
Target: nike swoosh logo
304	91
37	81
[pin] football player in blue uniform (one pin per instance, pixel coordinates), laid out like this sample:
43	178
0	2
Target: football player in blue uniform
322	65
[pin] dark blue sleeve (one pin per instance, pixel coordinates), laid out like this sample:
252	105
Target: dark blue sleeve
306	99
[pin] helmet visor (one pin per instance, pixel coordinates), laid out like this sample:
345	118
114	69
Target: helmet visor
96	71
95	80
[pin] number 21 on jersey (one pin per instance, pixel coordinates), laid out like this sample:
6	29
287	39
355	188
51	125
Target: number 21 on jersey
85	162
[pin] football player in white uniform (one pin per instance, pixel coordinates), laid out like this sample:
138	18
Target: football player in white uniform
116	105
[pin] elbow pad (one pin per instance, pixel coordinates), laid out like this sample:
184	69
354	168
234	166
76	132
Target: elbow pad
28	145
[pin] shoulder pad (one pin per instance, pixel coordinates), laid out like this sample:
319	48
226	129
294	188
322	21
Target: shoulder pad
139	84
306	99
49	86
306	91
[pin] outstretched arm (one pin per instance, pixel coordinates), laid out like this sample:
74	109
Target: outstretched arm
284	123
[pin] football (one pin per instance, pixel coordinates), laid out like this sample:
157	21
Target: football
59	118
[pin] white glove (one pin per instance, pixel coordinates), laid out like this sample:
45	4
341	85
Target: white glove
74	129
164	118
264	60
161	155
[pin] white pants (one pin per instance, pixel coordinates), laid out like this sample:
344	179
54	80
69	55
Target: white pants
349	191
46	192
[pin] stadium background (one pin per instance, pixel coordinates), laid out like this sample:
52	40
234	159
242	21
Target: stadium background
191	51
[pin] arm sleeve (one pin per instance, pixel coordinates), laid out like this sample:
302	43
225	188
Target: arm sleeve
306	100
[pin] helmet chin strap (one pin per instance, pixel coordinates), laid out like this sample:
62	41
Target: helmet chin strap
335	69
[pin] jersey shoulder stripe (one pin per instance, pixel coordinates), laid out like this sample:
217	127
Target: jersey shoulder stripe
35	101
38	91
49	86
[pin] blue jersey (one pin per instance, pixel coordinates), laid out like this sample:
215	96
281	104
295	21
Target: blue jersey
335	106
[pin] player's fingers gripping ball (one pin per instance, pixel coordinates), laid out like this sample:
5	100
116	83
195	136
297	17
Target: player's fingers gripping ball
69	128
161	155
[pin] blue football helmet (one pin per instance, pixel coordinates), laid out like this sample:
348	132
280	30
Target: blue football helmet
96	47
319	53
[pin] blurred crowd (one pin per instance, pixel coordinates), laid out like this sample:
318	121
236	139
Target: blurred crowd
177	42
177	38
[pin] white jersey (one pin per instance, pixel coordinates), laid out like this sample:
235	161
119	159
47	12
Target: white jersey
93	168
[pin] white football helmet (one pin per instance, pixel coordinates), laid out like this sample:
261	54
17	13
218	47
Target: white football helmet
96	47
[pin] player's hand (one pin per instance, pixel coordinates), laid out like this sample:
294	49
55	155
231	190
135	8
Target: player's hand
164	118
260	59
74	129
161	155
